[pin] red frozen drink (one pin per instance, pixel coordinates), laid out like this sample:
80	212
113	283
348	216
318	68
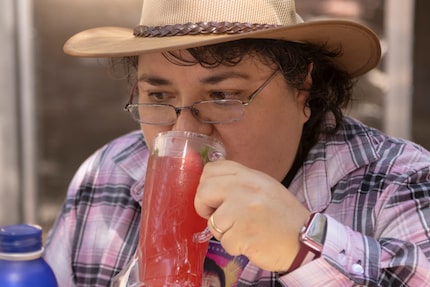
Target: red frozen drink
168	254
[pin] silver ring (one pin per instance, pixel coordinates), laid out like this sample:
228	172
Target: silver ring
214	226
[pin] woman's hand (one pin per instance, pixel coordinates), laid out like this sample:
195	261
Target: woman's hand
257	215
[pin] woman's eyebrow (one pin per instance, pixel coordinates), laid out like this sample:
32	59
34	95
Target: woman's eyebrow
219	77
155	80
211	79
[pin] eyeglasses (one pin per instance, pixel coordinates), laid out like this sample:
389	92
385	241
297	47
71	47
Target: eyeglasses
208	111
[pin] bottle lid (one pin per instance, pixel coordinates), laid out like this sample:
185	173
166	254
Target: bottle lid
20	238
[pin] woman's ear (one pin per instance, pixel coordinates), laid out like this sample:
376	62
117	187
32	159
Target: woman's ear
308	81
304	93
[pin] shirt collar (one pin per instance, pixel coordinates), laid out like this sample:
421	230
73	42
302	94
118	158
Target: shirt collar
331	159
133	160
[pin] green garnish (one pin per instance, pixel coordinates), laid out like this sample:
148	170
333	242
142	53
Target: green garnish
155	152
204	154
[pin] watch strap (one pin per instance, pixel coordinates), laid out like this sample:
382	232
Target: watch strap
304	256
306	253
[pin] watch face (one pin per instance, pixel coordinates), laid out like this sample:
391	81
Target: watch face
317	228
312	237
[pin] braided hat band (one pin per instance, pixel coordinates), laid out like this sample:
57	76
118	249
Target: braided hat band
199	28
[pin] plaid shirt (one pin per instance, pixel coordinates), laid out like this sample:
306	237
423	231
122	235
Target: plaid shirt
374	189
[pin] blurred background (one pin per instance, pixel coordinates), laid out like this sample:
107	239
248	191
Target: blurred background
56	110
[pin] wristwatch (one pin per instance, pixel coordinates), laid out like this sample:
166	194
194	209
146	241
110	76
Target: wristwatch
311	237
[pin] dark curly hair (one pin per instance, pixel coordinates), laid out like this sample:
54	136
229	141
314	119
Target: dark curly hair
210	267
331	88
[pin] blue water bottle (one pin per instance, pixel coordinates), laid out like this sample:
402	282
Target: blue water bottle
21	264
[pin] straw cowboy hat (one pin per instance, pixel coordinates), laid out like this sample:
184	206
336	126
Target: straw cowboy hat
179	24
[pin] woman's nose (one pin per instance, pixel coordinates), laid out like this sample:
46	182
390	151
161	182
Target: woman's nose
186	121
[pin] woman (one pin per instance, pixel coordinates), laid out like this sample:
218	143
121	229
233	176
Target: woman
305	197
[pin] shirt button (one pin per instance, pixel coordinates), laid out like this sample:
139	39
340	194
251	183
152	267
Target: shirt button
357	268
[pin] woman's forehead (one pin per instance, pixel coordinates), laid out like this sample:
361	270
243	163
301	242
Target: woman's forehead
183	59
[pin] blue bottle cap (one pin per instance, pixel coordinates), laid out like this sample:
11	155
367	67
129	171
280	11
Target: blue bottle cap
20	238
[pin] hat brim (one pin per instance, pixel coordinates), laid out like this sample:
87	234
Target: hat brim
361	50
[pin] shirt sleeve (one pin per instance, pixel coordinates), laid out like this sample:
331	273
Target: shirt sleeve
395	254
61	237
96	232
58	250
